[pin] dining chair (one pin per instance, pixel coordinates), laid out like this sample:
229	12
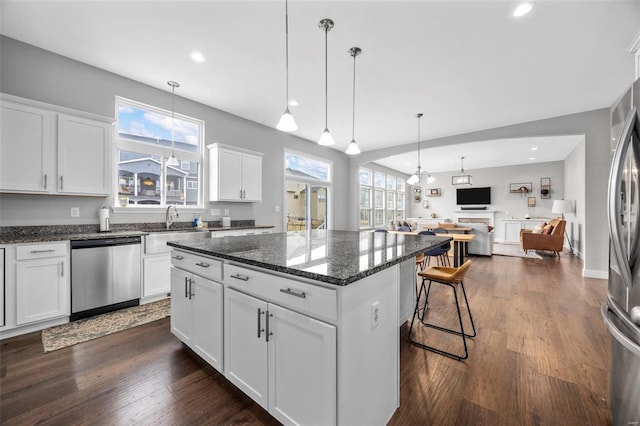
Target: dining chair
441	254
382	230
403	229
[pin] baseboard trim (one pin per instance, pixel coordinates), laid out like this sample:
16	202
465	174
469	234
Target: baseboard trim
595	273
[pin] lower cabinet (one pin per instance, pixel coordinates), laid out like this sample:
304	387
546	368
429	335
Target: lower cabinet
196	314
42	282
283	360
156	275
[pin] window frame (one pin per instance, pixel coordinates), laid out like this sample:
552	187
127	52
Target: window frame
398	192
124	144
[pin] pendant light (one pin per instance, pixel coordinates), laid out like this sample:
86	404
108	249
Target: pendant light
173	161
461	178
353	148
417	176
287	123
325	138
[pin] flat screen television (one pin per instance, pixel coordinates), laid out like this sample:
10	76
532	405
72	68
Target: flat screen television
467	196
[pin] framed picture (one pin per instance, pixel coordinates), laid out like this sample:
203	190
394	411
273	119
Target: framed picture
521	188
545	187
433	192
531	202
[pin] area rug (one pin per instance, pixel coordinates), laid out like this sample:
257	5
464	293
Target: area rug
62	336
513	250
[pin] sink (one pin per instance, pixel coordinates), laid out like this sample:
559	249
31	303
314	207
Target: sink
156	242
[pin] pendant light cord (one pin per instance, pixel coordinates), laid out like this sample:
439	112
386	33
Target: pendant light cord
419	116
286	31
326	79
173	120
353	117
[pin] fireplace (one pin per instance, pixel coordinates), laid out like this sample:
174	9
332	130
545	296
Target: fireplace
480	216
484	220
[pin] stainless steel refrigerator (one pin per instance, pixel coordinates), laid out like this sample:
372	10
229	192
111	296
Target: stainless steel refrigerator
621	312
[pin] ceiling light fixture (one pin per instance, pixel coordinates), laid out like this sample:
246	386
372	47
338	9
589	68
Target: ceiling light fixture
417	176
523	9
353	148
461	178
287	123
197	56
173	161
325	138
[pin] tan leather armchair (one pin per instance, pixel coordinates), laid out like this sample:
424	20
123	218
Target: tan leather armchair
552	242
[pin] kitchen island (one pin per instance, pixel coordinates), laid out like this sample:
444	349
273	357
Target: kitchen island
305	323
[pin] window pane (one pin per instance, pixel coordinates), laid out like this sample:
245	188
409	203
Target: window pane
378	218
365	198
400	185
182	185
379	201
139	178
391	183
365	217
305	167
399	215
400	201
390	215
155	128
391	200
365	176
378	179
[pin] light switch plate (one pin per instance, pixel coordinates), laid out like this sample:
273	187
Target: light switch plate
375	314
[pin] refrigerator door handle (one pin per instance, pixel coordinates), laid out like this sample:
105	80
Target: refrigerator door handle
615	331
615	221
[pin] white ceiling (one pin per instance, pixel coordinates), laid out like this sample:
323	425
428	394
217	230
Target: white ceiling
467	65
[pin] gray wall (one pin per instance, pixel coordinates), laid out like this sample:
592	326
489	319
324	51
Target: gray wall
593	124
34	73
506	205
574	189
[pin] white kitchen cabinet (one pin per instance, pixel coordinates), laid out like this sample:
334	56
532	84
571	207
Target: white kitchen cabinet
156	275
234	174
196	314
42	282
284	360
511	228
47	149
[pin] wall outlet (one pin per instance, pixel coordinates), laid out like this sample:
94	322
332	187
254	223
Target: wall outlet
276	209
75	211
375	314
215	212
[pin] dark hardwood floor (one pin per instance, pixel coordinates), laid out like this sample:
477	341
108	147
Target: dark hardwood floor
541	357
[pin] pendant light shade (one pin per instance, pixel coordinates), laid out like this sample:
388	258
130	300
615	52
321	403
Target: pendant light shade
325	138
461	178
417	176
353	147
172	160
287	123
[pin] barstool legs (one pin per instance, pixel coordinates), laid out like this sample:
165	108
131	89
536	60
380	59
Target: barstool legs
420	312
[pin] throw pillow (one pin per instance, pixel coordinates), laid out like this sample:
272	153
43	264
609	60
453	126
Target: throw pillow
538	229
547	229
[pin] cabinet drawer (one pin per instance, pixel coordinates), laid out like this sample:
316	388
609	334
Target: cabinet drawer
39	251
306	298
199	265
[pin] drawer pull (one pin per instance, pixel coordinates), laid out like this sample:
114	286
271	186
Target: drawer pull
42	251
178	257
300	294
202	264
240	277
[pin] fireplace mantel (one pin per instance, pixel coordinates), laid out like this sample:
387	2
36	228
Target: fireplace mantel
487	215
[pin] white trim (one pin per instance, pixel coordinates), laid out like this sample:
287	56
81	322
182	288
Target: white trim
234	148
595	273
57	108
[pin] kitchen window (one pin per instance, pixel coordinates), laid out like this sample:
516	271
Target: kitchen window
382	198
144	143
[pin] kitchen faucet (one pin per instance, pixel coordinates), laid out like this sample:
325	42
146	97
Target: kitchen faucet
169	217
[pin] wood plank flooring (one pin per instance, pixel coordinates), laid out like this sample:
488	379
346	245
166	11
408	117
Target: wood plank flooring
541	357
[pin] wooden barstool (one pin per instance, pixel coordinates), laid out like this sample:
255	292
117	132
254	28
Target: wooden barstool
451	277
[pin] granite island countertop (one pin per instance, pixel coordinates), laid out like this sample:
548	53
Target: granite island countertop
334	257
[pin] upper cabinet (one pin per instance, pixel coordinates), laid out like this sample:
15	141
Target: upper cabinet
234	174
50	150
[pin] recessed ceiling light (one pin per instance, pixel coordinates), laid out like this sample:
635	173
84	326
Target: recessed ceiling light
535	148
522	9
197	56
532	158
293	103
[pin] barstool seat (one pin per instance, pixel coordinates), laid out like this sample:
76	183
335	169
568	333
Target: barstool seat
451	277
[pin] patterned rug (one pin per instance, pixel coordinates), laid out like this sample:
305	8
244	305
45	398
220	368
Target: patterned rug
513	250
62	336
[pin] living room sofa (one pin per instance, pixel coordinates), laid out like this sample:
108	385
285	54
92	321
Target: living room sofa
482	244
550	237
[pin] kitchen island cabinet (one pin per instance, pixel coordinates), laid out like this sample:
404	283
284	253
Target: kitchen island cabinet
309	316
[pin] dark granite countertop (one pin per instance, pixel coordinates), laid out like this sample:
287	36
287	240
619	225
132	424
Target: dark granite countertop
34	234
334	257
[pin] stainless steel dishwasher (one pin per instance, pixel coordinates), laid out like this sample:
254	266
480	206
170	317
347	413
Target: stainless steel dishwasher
105	275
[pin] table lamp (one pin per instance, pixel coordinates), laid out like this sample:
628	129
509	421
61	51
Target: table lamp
562	207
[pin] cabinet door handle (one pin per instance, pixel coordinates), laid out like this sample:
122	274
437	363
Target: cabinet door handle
42	251
62	268
240	277
202	264
178	257
260	329
185	287
268	333
300	294
191	293
61	181
45	181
